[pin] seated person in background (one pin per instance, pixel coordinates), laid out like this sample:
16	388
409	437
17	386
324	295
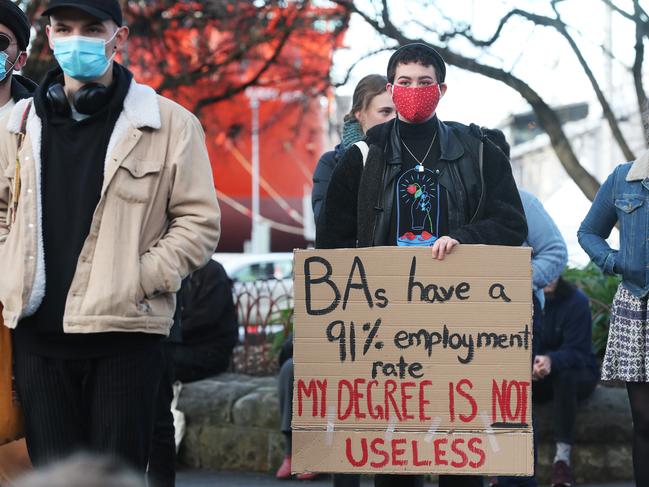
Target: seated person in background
549	258
549	251
209	330
199	345
565	369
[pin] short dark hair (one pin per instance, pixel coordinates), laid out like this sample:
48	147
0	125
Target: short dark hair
417	53
564	288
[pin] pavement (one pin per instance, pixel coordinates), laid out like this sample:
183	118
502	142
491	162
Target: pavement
194	478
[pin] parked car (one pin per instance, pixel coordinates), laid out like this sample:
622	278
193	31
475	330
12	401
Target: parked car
262	287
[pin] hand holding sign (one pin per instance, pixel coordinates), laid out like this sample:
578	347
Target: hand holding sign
442	246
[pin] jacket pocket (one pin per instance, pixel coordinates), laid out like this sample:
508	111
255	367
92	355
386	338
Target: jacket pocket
632	227
136	180
629	204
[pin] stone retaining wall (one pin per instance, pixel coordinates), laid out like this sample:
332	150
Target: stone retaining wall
233	424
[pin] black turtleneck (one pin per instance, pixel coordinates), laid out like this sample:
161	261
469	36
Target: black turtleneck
72	173
421	209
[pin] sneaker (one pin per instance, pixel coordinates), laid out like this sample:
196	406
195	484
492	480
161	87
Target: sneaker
284	471
307	476
562	475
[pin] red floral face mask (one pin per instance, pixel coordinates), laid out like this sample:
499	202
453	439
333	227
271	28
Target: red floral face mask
418	104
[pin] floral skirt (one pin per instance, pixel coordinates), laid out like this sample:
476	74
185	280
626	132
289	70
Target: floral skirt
627	350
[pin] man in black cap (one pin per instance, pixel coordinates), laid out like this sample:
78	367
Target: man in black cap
99	9
107	202
418	181
14	39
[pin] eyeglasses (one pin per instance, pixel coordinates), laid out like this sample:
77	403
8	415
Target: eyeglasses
5	42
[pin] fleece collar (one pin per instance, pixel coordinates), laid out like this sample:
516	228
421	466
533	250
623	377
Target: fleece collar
141	109
640	169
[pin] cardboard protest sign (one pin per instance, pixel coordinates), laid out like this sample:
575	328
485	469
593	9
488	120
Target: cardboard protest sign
406	364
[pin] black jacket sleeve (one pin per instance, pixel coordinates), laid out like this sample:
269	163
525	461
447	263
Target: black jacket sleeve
503	221
576	340
287	350
337	226
321	178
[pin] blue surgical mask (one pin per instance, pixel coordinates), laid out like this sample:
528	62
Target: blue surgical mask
3	65
82	58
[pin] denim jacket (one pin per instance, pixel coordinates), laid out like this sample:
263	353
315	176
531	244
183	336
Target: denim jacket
624	198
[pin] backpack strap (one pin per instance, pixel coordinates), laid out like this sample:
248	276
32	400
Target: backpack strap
479	133
364	148
481	203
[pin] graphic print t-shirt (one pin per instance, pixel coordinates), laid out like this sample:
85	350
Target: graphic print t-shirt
421	201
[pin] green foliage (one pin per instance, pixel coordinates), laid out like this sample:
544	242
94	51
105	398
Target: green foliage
283	317
601	290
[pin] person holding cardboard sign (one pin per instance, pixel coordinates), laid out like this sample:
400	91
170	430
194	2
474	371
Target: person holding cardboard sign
423	182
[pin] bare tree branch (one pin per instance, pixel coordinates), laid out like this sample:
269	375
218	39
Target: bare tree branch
466	32
627	15
641	95
606	107
558	25
359	60
235	54
547	117
233	90
639	16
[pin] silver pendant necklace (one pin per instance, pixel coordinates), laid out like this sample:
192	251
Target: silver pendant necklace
420	164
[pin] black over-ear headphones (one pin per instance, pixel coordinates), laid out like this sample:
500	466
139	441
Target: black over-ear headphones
88	100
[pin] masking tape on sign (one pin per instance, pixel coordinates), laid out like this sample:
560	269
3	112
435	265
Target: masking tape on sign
490	432
433	428
331	414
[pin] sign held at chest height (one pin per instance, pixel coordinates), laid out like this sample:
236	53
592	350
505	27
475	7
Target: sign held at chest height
406	364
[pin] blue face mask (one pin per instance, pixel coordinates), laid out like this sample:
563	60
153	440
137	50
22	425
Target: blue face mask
3	65
82	58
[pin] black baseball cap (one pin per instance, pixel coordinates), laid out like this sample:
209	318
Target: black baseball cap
14	18
102	9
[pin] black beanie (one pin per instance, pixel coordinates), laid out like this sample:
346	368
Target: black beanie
15	19
439	65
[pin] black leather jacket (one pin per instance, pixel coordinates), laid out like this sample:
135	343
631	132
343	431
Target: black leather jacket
484	206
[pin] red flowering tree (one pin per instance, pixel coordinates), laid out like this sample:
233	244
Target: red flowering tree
205	55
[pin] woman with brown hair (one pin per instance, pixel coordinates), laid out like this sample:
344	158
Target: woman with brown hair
371	105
